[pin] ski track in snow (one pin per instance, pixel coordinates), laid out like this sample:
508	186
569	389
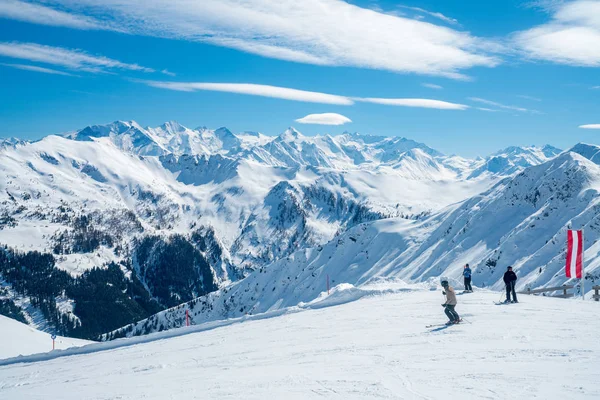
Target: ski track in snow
376	347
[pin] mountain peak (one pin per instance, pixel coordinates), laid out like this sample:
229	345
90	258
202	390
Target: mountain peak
224	132
589	151
291	134
173	127
11	142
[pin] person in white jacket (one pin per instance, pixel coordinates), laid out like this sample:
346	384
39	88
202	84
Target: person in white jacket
450	304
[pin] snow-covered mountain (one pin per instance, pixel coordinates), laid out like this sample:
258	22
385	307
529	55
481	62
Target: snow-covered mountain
11	142
514	159
207	205
520	221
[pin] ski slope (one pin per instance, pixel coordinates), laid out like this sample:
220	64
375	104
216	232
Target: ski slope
372	344
17	338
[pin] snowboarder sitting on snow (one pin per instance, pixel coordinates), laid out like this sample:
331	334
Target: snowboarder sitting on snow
450	303
510	280
467	276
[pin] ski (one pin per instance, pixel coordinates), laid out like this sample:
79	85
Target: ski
435	325
440	325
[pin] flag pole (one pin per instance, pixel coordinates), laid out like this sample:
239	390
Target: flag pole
582	266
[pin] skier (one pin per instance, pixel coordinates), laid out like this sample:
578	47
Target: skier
467	276
450	303
510	280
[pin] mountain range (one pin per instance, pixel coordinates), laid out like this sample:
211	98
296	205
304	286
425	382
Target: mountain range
172	215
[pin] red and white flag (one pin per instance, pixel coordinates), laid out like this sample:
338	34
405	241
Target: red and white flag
574	266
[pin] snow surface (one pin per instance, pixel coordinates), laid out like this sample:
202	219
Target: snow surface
17	339
373	344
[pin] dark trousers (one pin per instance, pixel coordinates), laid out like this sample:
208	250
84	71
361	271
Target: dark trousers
451	313
510	288
468	284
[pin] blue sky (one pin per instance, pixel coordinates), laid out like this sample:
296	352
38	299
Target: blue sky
465	77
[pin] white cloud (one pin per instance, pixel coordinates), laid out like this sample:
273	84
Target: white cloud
322	32
73	59
298	95
39	14
486	109
324	119
432	86
437	15
571	37
522	96
35	68
422	103
590	126
167	72
500	105
595	87
255	90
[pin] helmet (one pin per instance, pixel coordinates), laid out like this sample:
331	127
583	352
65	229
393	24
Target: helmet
444	281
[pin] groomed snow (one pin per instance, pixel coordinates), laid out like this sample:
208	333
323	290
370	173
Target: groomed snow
373	347
20	339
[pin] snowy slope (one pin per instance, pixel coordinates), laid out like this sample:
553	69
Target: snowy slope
376	347
521	221
19	339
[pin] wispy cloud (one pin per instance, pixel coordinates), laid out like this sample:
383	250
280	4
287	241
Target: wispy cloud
422	103
486	109
437	15
322	32
500	105
432	86
571	36
255	90
167	72
73	59
298	95
35	68
42	15
595	87
522	96
590	126
324	119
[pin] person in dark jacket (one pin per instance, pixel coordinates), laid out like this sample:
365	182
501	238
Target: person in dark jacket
510	280
467	276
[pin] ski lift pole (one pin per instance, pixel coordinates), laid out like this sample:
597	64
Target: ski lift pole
53	340
187	317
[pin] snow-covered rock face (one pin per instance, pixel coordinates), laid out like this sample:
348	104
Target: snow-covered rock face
11	142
